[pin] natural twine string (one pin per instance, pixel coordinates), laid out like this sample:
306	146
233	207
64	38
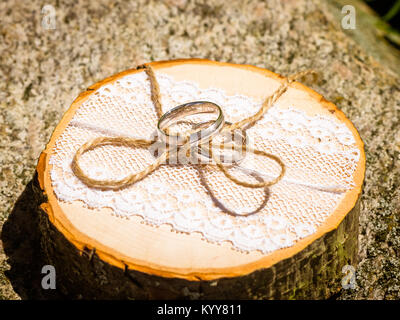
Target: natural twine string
163	158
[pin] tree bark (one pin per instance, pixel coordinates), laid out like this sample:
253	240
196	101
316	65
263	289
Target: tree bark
313	273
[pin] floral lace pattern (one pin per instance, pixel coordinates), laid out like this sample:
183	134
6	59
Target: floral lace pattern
319	152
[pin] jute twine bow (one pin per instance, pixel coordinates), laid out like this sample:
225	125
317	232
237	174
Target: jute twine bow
163	158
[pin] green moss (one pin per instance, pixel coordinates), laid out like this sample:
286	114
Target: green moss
297	293
293	295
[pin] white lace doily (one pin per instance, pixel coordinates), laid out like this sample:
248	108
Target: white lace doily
319	152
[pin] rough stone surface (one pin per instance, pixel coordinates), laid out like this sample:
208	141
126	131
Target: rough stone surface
42	71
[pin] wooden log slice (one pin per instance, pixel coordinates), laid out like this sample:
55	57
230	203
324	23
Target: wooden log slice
129	244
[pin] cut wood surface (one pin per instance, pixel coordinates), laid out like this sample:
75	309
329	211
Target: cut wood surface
142	261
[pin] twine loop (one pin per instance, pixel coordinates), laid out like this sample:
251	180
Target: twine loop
198	143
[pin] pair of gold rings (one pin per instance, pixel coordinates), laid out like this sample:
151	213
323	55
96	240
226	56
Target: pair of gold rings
200	138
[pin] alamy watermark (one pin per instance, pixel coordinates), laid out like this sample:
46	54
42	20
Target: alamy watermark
349	280
349	20
49	280
49	17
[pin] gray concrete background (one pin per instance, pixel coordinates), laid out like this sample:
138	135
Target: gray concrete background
42	71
